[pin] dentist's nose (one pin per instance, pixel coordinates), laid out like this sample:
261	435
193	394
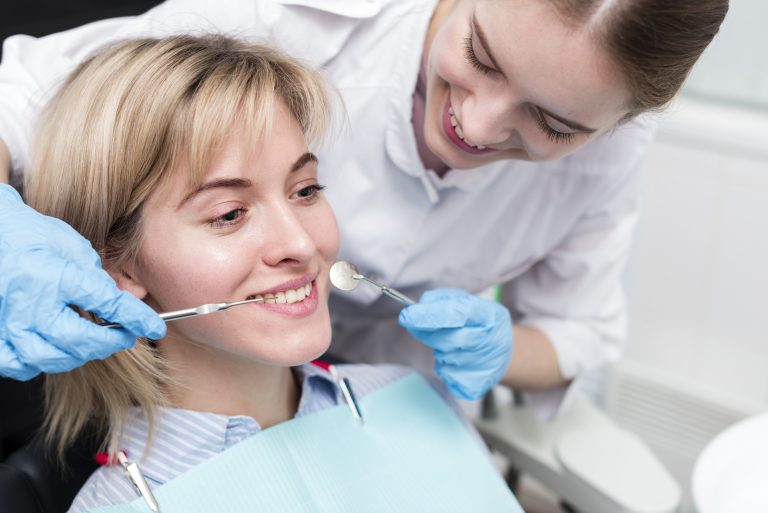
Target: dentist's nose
490	121
287	241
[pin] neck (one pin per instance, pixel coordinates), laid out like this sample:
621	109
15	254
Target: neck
211	380
428	159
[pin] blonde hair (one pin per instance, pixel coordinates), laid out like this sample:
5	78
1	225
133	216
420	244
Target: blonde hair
119	123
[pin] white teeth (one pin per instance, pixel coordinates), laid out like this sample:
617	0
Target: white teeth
286	296
457	128
450	110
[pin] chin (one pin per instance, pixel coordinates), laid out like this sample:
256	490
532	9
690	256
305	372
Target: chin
297	350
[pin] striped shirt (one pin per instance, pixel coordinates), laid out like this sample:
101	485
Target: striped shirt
183	439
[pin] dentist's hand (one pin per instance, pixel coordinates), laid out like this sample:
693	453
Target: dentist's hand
471	338
45	265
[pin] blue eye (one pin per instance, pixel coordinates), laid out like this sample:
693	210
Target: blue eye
310	192
230	218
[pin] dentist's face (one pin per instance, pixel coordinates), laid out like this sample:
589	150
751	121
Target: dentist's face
257	226
509	79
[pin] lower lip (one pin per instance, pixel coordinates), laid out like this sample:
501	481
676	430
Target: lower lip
298	309
455	139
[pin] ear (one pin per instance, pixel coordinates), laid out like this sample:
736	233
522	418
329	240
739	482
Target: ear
127	279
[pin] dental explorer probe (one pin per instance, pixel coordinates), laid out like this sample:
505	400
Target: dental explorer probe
345	276
192	312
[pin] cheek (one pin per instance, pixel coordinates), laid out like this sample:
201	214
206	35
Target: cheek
325	232
446	58
182	272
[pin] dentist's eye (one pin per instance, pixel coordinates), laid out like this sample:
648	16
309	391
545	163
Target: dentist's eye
552	134
471	56
230	218
310	192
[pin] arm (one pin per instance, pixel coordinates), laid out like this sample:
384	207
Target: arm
5	163
32	67
534	363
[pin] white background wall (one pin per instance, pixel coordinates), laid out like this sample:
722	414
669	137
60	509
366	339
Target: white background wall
697	357
698	282
735	67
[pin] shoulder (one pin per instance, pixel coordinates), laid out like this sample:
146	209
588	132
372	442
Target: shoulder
106	486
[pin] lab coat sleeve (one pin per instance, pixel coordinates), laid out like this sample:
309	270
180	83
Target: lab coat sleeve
32	68
574	295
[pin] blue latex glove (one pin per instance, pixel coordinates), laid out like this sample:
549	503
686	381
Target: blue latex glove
46	265
471	338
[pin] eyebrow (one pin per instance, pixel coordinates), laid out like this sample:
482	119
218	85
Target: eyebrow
303	161
487	49
243	183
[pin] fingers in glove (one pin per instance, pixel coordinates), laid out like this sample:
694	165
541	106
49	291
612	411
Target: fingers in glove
85	340
12	367
30	347
95	291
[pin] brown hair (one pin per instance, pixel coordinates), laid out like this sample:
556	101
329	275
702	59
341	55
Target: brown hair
132	113
655	43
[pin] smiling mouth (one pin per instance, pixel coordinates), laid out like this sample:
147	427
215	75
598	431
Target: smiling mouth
459	131
285	296
454	132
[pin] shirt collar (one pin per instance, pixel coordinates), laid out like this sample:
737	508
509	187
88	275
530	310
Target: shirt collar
182	438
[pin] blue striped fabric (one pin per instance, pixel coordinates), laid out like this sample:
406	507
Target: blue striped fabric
185	438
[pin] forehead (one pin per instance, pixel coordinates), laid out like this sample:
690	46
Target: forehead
256	152
554	64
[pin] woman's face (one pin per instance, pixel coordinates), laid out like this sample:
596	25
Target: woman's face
508	79
257	226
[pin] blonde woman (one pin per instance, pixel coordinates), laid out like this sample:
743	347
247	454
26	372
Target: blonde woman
185	163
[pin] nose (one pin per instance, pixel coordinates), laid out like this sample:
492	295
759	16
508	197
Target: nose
489	119
287	242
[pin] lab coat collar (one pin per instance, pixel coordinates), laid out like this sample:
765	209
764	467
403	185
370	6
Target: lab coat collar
355	9
401	147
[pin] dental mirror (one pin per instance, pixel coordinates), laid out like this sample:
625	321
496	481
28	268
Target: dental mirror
345	276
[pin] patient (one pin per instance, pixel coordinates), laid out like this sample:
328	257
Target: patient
185	162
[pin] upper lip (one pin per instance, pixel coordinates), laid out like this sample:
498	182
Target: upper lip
289	285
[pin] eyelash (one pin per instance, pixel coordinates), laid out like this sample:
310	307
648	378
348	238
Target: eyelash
222	222
471	56
313	191
552	134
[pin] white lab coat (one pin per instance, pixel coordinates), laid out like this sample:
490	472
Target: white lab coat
557	232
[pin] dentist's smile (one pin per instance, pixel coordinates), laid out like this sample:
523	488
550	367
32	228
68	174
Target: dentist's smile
455	133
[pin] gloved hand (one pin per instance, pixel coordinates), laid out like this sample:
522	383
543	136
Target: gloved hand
46	265
471	338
